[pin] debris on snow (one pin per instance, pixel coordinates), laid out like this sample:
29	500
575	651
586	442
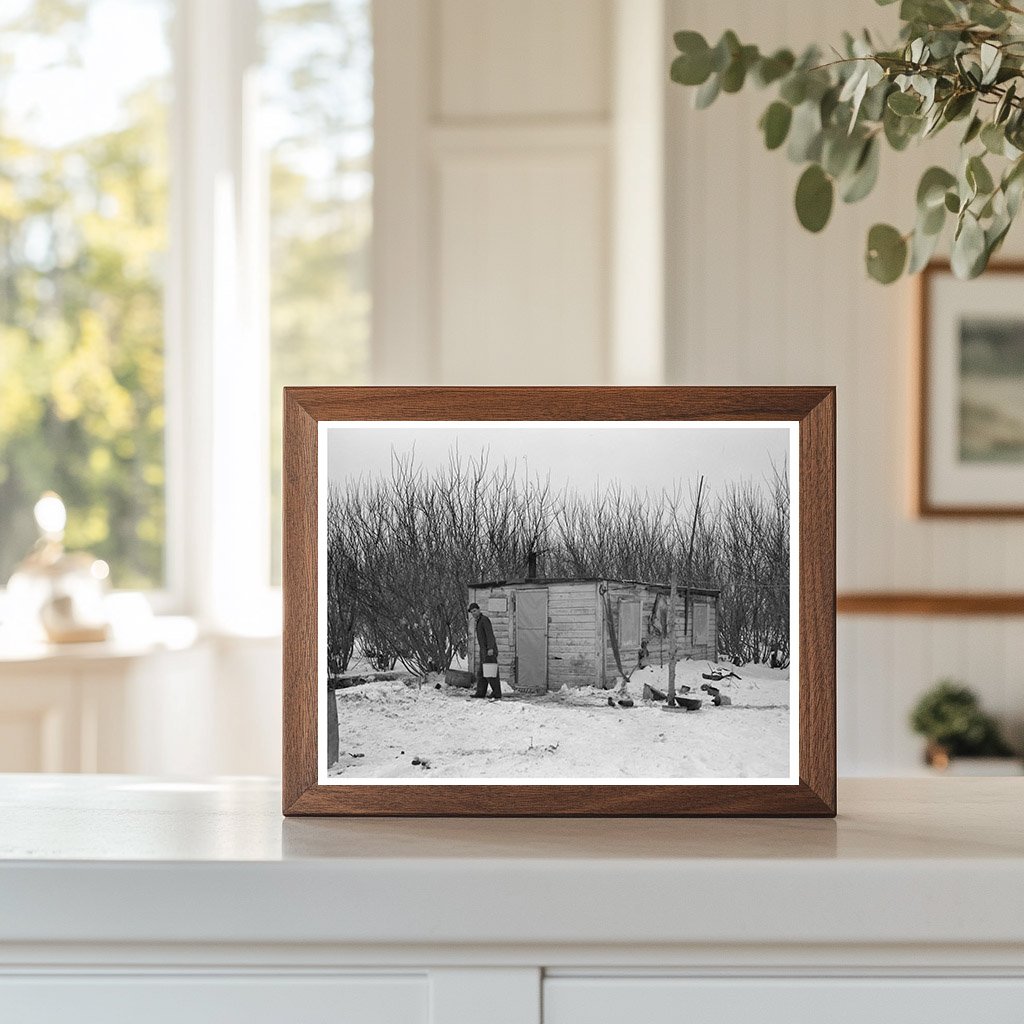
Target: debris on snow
458	737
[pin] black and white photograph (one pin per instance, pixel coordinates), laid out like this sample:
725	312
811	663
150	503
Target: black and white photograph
557	602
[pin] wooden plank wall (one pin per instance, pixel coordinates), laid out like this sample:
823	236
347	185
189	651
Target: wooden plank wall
657	646
572	635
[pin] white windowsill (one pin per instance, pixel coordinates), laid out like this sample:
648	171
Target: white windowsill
161	633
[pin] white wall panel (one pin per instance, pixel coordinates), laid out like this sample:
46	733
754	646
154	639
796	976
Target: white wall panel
527	58
754	299
522	285
494	207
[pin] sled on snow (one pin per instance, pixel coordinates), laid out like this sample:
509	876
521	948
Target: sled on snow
684	704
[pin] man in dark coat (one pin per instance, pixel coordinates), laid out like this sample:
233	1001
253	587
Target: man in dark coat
487	648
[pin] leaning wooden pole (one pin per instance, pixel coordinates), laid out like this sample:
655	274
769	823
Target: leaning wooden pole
689	558
672	643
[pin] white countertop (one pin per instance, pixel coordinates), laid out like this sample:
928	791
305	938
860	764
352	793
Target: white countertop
122	859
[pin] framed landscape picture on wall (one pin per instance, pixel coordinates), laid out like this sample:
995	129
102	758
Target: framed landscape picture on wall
970	451
559	601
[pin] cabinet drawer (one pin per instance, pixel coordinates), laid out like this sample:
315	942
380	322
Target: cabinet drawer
202	999
783	1000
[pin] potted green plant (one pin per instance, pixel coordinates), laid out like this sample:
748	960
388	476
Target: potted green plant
950	718
956	62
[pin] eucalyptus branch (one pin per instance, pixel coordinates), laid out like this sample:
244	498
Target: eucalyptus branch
955	61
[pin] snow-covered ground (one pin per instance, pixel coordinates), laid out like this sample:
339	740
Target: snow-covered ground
569	734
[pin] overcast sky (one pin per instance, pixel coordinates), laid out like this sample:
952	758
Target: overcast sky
645	458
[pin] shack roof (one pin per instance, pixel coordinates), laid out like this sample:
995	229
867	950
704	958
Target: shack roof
544	580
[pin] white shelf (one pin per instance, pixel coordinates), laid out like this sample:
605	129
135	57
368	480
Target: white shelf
121	859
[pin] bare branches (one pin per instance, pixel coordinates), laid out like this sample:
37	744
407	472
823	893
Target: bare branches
403	546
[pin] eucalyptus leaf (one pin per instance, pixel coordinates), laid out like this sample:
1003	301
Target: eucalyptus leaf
900	130
1014	192
724	51
922	248
794	88
814	195
925	87
735	74
978	176
987	15
968	247
993	138
873	106
991	60
707	93
932	221
931	190
1013	186
944	44
886	253
1005	105
775	124
865	173
933	122
995	233
929	12
771	69
903	103
691	70
827	106
973	130
958	105
805	133
840	152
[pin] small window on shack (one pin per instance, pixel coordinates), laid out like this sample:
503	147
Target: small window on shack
629	625
701	619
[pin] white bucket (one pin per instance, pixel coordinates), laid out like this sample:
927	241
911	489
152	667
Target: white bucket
490	670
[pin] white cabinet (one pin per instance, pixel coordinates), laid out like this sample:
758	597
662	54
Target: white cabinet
130	898
202	999
828	1000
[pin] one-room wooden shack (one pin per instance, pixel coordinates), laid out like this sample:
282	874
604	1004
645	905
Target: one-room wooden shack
555	632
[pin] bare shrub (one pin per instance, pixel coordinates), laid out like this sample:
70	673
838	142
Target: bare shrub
402	547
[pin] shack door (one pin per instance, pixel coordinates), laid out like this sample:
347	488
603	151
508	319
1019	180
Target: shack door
532	640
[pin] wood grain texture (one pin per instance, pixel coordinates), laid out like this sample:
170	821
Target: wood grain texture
299	596
924	505
817	669
812	407
925	603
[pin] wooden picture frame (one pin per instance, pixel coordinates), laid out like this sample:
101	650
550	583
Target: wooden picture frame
807	412
973	488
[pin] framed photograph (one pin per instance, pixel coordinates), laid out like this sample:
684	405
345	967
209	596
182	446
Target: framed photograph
559	601
970	451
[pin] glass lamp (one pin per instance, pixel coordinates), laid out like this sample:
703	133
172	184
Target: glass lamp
55	595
